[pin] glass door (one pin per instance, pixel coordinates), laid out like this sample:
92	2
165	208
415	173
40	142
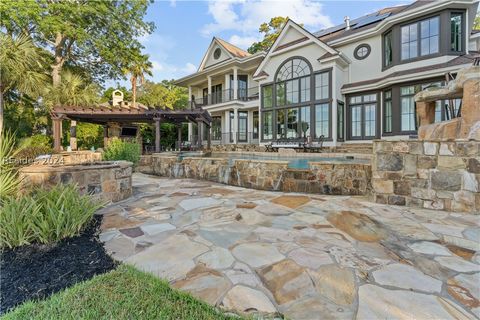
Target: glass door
242	126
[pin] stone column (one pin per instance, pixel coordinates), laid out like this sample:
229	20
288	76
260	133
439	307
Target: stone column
425	112
179	135
57	134
235	83
73	135
105	136
157	134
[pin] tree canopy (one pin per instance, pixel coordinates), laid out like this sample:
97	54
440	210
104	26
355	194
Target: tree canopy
270	32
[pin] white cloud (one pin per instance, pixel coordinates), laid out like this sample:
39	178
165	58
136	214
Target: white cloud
245	16
189	68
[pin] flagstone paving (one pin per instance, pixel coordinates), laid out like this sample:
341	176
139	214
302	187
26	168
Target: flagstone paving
304	256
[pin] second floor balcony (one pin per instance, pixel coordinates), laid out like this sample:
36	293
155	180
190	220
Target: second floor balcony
224	96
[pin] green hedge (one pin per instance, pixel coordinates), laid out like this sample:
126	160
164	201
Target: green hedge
45	216
122	150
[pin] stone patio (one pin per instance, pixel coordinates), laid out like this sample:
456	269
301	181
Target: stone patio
304	256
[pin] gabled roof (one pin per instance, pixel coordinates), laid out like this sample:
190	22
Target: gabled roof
234	50
276	47
231	50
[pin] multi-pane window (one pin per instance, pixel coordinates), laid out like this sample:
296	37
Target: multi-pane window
407	108
387	127
363	114
294	68
356	123
267	95
304	89
255	125
305	121
280	94
370	120
322	120
322	86
281	130
340	120
409	42
388	49
456	32
268	125
242	126
216	128
292	91
292	122
429	35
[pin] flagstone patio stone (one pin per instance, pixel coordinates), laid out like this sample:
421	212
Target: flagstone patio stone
305	256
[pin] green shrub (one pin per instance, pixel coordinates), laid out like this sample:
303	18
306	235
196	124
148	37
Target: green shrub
9	180
33	146
37	140
122	150
45	216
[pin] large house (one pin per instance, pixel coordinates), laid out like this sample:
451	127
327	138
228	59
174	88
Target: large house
350	83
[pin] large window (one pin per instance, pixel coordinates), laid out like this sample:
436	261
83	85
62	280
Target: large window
429	35
409	41
322	86
267	96
304	89
388	49
305	121
407	108
292	88
293	68
280	88
387	110
363	116
340	120
216	128
281	130
456	32
267	125
293	82
255	125
293	115
322	120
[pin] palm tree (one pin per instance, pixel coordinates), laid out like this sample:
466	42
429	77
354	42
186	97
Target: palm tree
21	68
137	68
72	91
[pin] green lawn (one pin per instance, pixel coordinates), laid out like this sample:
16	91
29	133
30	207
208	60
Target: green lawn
124	293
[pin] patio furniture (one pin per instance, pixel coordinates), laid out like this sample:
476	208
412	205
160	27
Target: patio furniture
287	144
315	146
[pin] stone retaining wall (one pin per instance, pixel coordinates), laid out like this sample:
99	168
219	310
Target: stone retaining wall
430	174
328	177
109	181
74	157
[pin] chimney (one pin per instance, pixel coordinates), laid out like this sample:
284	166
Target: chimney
347	22
117	97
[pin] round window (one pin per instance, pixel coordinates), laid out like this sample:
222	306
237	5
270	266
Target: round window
217	53
362	51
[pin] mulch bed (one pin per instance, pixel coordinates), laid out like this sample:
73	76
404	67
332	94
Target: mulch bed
37	271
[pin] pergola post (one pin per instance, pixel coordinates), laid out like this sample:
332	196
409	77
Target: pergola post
199	133
179	136
73	135
105	136
157	134
209	137
57	134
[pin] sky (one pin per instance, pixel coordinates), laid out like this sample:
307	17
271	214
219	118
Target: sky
184	29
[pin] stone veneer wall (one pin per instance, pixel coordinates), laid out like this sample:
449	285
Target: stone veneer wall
438	175
109	181
328	177
74	157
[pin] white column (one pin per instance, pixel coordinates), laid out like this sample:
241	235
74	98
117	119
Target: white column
334	89
235	123
227	94
235	83
225	136
209	89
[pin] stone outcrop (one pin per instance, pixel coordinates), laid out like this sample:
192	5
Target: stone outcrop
465	86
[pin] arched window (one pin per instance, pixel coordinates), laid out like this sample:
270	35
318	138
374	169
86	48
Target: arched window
293	68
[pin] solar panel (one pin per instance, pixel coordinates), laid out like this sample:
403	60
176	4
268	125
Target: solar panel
332	29
370	19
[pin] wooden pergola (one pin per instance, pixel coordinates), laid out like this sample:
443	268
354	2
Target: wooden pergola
125	113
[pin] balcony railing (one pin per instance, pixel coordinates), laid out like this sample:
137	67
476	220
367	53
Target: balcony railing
245	94
242	137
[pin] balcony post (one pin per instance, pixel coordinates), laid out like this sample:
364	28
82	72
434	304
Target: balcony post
235	83
235	125
209	89
199	133
157	134
228	94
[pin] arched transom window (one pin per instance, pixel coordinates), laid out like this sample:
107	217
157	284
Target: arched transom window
293	68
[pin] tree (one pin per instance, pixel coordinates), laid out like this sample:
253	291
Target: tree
73	90
164	94
137	68
270	31
476	22
96	35
21	66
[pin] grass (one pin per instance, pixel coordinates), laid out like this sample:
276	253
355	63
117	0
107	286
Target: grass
124	293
